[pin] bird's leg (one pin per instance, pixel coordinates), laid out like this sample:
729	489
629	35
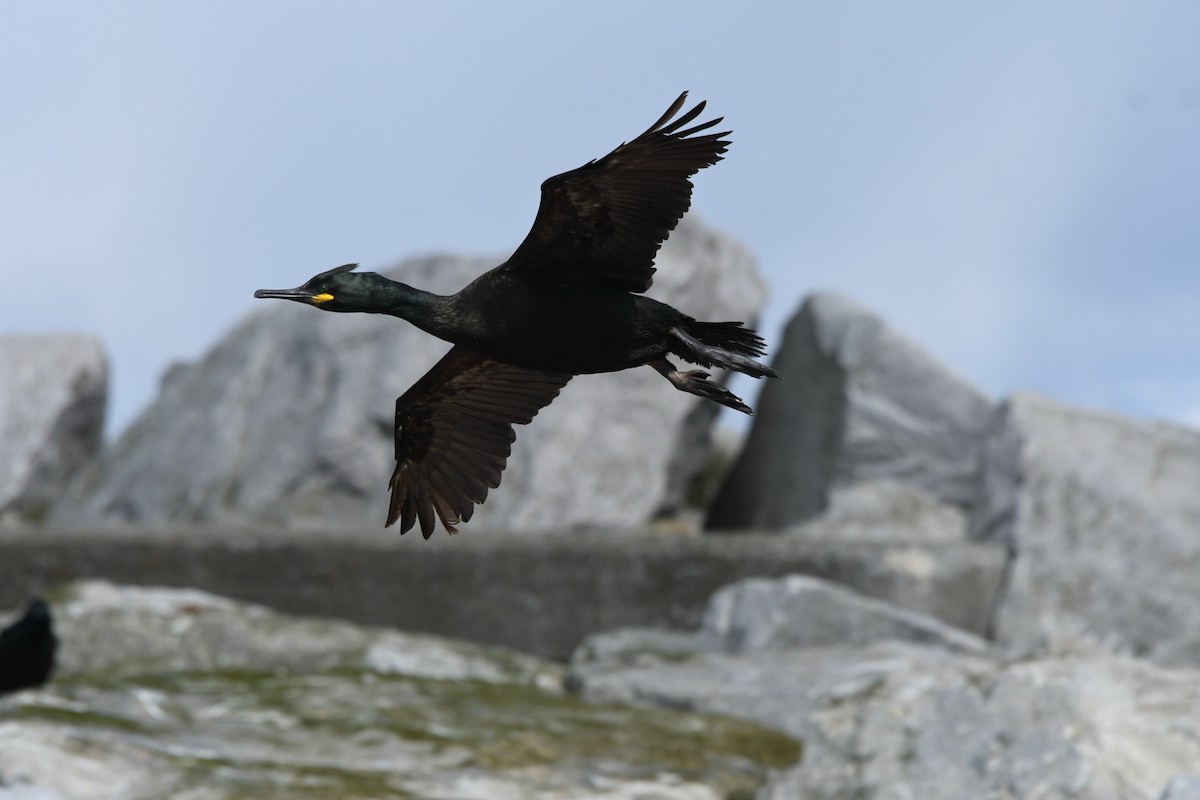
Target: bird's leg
696	382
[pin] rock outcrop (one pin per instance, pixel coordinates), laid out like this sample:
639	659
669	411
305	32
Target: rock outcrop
1102	514
288	420
799	611
881	717
858	402
53	395
868	439
169	693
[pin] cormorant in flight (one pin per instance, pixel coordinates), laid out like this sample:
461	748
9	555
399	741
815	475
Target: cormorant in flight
567	302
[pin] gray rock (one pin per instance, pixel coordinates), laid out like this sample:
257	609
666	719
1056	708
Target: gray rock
114	630
1102	514
538	593
799	611
775	615
896	720
633	647
1184	787
180	694
52	402
857	402
288	419
886	511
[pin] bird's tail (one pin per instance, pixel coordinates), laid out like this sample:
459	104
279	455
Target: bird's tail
728	345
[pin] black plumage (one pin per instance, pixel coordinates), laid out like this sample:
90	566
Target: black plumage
567	302
27	649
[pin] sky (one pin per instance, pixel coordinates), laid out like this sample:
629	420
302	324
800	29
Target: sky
1014	186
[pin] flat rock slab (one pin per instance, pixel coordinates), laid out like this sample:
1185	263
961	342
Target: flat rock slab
538	594
53	394
167	693
1102	513
289	419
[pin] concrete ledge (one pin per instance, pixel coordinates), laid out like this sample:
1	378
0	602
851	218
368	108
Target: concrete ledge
541	594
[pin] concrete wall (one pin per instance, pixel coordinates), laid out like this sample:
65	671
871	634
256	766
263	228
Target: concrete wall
540	594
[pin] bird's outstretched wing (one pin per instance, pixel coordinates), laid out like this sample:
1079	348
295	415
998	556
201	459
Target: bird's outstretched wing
454	433
604	222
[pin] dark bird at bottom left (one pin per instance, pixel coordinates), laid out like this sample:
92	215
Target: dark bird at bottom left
27	649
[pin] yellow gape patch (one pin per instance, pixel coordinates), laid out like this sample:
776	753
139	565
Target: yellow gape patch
322	298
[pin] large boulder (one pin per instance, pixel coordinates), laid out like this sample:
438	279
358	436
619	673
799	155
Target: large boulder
1101	514
898	720
858	402
52	403
892	704
289	419
177	693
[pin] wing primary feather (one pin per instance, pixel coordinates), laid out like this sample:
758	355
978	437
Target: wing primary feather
684	120
445	512
408	517
424	509
703	126
667	116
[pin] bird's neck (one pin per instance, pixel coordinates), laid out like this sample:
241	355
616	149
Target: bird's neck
426	310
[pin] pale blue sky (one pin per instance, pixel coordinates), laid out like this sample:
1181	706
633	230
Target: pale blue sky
1013	185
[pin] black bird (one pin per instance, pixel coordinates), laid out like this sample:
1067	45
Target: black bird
27	650
567	302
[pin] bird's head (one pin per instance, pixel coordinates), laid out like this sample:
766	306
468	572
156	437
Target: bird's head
338	289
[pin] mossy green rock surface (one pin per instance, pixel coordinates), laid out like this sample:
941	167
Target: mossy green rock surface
169	693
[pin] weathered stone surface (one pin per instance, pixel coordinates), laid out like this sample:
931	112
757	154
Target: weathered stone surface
166	693
857	402
539	593
289	419
761	614
633	647
800	611
886	511
53	392
1102	513
105	628
895	720
1184	787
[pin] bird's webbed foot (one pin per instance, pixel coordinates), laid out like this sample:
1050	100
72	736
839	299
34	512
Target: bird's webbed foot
697	382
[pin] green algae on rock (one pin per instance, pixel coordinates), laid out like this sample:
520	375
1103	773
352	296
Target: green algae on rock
228	701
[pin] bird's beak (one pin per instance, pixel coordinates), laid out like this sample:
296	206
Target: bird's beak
300	295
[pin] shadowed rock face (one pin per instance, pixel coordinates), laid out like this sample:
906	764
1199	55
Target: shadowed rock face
52	400
178	693
858	402
289	419
538	593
